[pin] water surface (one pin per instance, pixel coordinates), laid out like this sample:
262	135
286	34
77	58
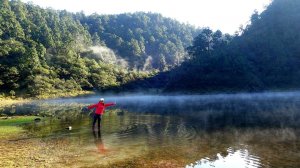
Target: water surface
235	130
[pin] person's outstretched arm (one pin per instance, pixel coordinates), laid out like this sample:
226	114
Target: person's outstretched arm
92	106
109	104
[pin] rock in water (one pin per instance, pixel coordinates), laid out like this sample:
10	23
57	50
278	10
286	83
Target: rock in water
84	109
37	119
120	113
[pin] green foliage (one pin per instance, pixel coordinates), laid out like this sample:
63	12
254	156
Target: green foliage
12	47
12	93
137	36
10	27
264	56
46	52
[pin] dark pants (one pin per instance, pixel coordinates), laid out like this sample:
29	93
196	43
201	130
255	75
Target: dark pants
95	118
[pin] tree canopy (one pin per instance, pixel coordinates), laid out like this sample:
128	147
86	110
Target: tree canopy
266	55
47	52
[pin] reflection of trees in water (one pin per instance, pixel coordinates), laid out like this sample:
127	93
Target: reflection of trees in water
188	138
209	112
220	113
156	128
186	134
266	129
272	146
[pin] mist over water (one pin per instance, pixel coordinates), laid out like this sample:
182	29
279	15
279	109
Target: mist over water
148	99
220	130
271	109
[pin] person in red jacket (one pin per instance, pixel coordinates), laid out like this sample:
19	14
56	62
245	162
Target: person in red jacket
100	108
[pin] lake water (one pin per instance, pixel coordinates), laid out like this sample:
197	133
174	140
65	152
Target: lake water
233	130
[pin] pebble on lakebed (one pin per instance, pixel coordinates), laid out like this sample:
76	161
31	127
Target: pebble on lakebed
69	128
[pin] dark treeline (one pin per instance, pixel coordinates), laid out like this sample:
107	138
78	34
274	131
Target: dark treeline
47	52
264	56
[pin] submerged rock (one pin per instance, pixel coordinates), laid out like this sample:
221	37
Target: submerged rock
37	119
120	113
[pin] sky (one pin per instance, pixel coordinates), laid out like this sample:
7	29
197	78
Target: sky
225	15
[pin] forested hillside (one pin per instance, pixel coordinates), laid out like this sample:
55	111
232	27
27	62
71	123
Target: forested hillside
265	56
48	52
146	40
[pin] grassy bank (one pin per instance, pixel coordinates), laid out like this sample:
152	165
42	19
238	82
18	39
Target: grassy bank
11	126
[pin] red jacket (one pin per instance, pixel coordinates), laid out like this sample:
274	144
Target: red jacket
100	107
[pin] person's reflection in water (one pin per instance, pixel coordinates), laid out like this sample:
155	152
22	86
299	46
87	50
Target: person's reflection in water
98	142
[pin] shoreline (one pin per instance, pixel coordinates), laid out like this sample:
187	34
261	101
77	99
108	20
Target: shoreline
8	101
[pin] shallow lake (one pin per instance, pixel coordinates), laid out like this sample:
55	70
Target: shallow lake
222	130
